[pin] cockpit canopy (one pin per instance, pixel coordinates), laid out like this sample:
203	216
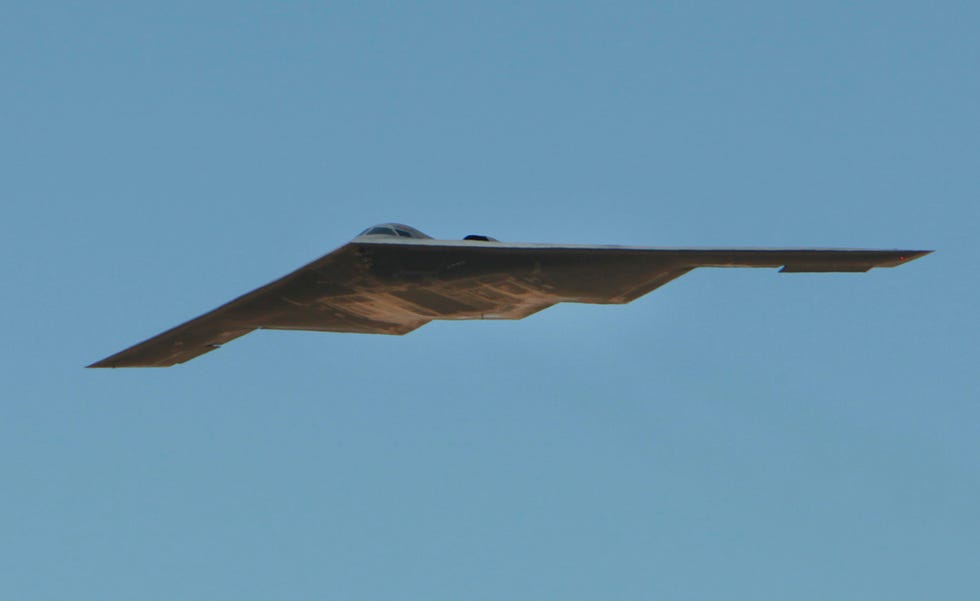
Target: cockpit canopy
397	230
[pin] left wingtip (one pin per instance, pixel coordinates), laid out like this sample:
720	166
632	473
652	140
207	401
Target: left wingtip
98	364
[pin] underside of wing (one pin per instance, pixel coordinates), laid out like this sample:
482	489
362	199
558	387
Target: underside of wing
330	295
473	280
794	260
177	345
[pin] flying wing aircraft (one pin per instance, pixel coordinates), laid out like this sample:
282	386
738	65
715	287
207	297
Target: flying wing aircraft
392	279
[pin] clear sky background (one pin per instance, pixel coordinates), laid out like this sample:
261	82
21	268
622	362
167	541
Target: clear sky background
737	434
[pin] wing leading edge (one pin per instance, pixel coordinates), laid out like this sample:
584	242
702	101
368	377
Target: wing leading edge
394	287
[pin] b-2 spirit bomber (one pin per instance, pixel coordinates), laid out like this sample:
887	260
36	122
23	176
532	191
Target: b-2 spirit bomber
392	279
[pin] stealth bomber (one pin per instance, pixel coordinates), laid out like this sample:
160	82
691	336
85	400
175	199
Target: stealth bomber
392	279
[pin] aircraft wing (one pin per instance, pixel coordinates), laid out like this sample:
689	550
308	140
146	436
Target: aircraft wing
298	301
395	286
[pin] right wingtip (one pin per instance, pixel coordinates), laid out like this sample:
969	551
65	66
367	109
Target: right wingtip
910	255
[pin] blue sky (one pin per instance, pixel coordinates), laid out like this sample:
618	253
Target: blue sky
737	434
